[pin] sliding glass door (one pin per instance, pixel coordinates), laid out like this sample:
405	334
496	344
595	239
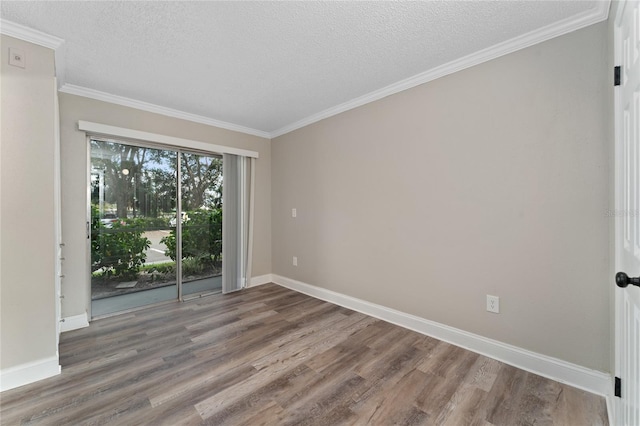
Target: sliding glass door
156	225
201	204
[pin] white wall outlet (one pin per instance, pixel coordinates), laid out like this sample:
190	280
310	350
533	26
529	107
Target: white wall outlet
294	213
295	261
16	57
493	304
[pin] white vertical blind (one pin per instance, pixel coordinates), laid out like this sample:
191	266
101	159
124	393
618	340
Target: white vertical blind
251	201
235	223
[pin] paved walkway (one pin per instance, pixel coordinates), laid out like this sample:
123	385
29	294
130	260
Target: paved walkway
123	302
155	253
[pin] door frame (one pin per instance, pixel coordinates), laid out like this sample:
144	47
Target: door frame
617	231
57	206
98	130
619	209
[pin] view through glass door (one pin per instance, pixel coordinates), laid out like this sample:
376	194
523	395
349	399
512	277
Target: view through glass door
201	204
141	253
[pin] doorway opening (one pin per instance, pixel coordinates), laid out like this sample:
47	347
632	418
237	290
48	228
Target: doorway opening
155	226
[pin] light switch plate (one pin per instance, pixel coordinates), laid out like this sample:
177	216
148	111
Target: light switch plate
16	57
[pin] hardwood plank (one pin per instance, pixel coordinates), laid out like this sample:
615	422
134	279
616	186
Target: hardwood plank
269	367
579	407
261	417
462	407
437	392
262	399
268	355
334	391
397	406
505	395
380	386
397	355
483	373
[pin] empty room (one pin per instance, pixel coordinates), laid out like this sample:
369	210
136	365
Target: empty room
322	213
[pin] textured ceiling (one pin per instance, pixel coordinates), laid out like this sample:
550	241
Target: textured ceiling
266	65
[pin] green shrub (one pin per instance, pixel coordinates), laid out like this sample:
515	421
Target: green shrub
201	238
151	223
120	249
96	226
191	266
163	268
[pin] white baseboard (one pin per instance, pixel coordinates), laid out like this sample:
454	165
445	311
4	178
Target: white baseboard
29	372
74	322
553	368
610	408
260	280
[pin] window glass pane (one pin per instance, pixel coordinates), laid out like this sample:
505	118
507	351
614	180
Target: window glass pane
133	203
201	182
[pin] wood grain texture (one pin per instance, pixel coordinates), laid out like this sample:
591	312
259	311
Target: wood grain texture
271	356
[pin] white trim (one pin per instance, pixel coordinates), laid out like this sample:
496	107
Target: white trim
261	280
598	13
57	214
29	34
29	372
157	109
553	368
104	129
87	241
609	399
60	67
74	322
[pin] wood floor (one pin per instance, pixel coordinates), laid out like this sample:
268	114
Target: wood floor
272	356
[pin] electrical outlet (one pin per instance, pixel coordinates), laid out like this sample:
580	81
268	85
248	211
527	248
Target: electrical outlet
295	261
493	304
294	213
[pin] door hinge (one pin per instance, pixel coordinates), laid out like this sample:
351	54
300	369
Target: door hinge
616	76
617	388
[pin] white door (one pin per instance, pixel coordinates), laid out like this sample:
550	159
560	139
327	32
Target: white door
627	190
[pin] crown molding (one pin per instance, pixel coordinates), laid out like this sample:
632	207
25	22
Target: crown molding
598	13
170	112
42	39
29	34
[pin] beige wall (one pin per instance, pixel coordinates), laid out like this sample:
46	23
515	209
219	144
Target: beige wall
27	285
493	180
75	285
